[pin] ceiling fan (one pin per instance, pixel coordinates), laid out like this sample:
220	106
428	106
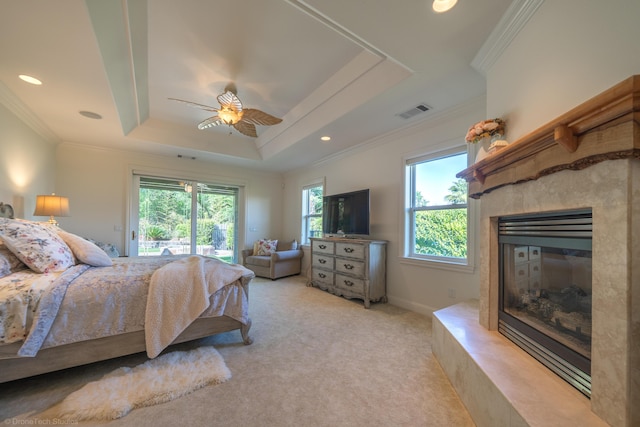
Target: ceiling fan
231	113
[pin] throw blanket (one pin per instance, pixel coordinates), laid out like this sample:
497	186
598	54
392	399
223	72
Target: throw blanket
179	293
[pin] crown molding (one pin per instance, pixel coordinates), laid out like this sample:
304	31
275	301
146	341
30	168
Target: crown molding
513	20
17	107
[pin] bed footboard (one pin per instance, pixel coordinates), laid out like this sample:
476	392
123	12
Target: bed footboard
81	353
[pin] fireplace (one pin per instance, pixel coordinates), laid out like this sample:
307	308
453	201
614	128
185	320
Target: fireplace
545	295
587	158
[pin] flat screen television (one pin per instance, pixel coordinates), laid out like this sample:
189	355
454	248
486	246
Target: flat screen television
346	213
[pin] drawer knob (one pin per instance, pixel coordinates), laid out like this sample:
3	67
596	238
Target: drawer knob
348	266
322	261
348	283
348	250
322	246
322	275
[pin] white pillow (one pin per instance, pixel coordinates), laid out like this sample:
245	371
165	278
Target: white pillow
38	247
85	251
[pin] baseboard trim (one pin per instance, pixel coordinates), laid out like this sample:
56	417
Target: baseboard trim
411	305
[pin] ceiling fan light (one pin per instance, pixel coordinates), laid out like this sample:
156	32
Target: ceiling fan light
440	6
229	117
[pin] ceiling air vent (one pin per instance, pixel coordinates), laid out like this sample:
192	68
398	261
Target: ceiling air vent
418	109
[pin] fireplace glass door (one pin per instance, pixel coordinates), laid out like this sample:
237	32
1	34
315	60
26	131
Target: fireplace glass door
545	290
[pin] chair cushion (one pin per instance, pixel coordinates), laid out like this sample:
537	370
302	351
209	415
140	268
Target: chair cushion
262	261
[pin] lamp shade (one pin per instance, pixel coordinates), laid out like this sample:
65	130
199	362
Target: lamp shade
51	205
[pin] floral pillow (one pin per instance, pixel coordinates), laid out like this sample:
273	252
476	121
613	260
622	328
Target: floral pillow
9	263
38	247
85	251
265	247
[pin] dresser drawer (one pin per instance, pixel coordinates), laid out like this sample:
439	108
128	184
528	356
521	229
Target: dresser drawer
322	261
351	284
322	246
321	277
351	250
350	266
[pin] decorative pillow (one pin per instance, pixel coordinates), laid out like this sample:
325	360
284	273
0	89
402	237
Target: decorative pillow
9	263
266	247
38	247
4	267
110	249
85	251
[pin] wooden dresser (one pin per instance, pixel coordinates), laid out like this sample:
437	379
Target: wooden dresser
352	268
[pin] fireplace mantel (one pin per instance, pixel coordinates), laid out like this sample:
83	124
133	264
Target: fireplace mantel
603	128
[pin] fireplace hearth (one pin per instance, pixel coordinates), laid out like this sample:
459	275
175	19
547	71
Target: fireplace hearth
545	290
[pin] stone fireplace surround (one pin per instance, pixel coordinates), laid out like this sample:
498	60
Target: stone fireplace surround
587	158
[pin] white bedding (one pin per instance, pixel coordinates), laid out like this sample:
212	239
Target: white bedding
106	301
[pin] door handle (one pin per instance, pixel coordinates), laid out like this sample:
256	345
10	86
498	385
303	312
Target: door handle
133	234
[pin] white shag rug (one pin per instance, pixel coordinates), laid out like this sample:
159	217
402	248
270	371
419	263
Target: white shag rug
159	380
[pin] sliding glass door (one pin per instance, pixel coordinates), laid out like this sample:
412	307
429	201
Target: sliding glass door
184	217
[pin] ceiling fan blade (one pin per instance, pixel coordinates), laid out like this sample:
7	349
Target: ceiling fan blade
258	117
246	128
210	122
193	104
229	99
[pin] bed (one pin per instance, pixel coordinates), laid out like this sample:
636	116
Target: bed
65	303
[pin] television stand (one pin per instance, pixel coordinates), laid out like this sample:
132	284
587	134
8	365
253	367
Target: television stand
350	267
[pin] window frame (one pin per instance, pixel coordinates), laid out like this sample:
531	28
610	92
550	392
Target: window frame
407	255
305	216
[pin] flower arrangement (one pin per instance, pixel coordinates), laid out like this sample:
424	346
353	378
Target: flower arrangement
485	129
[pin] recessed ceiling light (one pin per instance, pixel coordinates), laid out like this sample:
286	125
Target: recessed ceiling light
30	79
440	6
325	138
90	115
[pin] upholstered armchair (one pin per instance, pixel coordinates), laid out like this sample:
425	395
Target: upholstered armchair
273	259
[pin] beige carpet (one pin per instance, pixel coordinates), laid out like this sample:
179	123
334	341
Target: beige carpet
316	360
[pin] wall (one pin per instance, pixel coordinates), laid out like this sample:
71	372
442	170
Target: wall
26	166
378	165
570	51
98	182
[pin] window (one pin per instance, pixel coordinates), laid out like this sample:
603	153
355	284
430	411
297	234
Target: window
436	208
311	212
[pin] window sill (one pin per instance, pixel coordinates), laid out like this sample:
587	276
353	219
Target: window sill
441	265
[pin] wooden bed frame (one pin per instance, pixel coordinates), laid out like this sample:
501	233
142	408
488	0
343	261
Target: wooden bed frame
81	353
